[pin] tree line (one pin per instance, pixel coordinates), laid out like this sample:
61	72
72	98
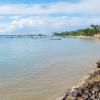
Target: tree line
90	31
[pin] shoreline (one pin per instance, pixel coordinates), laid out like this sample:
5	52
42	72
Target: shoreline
83	91
84	37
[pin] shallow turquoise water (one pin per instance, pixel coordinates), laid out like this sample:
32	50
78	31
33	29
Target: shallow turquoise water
43	68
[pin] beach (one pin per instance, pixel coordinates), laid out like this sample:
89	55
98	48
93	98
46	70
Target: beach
49	49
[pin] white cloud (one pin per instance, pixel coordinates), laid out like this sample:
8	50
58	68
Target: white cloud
37	24
82	7
17	18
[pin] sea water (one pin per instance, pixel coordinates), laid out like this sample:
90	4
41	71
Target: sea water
43	69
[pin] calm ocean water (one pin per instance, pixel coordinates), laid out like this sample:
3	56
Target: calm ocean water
43	69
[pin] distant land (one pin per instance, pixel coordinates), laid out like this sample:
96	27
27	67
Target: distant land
90	31
19	36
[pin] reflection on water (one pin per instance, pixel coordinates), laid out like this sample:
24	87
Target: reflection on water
34	69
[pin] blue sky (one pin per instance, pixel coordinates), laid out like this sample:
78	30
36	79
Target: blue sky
47	16
34	1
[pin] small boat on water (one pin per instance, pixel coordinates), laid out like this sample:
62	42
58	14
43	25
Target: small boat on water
55	39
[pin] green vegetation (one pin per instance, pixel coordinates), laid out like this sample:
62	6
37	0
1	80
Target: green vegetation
90	31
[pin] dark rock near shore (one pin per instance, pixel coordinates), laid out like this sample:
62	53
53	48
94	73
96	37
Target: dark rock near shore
90	90
98	64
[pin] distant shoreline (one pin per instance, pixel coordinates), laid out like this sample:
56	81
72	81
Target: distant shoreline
84	37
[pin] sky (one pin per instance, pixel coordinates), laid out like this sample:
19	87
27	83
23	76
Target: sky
47	16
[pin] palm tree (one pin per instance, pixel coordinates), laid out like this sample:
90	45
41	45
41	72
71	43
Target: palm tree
96	28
